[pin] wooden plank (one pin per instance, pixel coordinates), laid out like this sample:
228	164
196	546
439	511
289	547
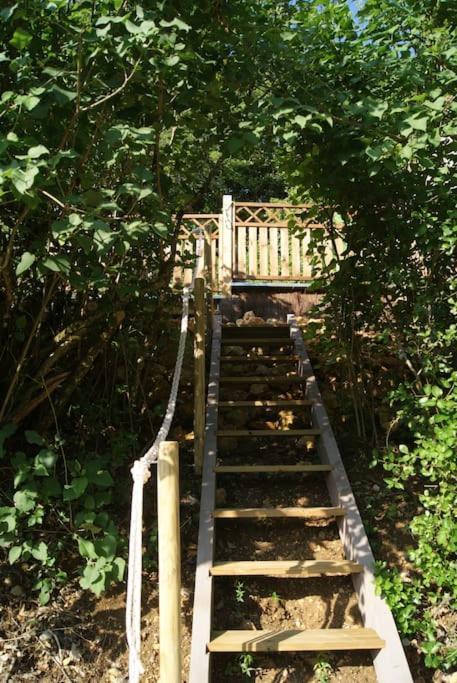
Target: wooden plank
296	640
268	432
286	568
225	253
241	252
215	261
273	469
267	513
264	326
241	341
307	269
263	248
284	243
279	205
189	249
201	624
279	278
264	379
177	270
253	270
270	402
390	664
199	372
259	359
279	225
169	543
296	256
274	260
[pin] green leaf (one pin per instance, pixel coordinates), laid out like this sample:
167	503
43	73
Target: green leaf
118	569
172	60
58	264
37	151
302	121
44	462
5	432
417	122
102	478
40	552
176	22
20	39
61	95
24	500
86	548
106	546
33	437
27	259
75	489
14	553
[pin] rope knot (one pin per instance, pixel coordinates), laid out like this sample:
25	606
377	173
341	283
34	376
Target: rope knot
140	471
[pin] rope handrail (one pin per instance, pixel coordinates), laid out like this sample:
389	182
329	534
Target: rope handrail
140	474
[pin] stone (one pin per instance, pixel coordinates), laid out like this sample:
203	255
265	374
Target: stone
250	319
376	488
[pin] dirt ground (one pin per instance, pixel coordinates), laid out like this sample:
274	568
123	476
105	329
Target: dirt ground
79	638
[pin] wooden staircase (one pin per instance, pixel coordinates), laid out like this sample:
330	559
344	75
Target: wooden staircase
283	345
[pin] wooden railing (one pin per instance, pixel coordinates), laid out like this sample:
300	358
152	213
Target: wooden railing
254	241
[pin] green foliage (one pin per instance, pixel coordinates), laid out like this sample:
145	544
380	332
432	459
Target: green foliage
322	669
240	591
50	520
367	130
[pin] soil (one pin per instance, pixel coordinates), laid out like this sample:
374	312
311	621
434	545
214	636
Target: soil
79	638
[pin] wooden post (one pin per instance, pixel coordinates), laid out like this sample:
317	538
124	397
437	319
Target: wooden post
199	372
226	251
169	562
209	280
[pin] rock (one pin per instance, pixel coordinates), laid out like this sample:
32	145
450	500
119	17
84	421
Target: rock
221	496
258	389
286	418
406	642
250	319
185	594
376	488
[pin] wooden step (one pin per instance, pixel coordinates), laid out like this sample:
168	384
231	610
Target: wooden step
265	326
298	569
268	403
263	379
267	513
296	640
292	433
256	341
259	359
265	469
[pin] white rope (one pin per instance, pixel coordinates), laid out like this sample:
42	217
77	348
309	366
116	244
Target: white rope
140	474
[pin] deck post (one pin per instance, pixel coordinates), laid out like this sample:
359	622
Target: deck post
199	372
226	245
208	260
169	562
